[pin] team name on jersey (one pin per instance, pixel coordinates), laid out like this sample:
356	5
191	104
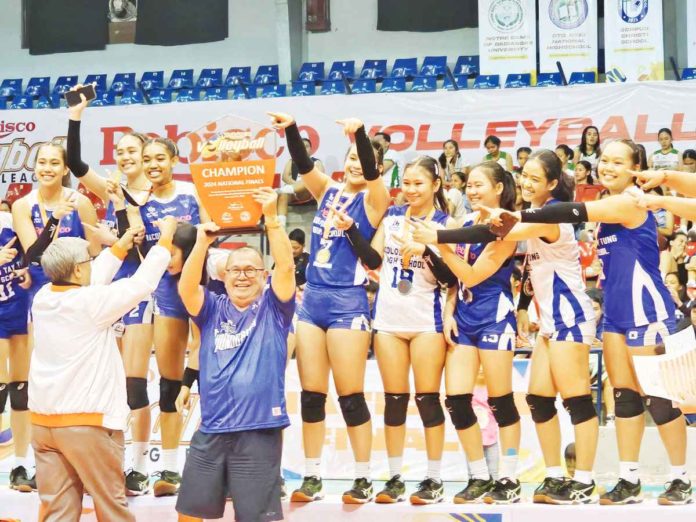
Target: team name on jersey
533	256
392	256
608	239
227	339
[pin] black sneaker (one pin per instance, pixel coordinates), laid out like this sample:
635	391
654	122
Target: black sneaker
624	492
309	491
283	490
430	491
677	493
549	485
573	492
474	491
360	493
167	484
20	482
505	491
137	484
394	491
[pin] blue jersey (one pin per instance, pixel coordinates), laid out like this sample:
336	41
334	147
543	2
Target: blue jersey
242	363
12	296
129	266
634	293
342	267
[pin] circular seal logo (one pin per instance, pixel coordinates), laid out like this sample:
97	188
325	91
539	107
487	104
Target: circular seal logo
568	14
633	11
245	216
506	15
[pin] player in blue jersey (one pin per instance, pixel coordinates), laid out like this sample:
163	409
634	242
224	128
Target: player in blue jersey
333	322
237	449
638	315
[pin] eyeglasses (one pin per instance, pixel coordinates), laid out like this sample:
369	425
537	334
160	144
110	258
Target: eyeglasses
92	258
248	271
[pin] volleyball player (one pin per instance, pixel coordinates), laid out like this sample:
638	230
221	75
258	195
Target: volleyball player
666	157
589	149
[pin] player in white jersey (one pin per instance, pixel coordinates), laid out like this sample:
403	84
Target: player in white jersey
666	157
589	149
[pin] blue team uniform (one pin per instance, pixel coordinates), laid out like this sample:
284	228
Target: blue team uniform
14	300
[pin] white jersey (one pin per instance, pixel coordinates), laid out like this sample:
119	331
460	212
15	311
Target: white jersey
665	161
557	281
409	299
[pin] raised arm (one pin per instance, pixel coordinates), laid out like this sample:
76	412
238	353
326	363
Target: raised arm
488	263
684	207
682	182
190	289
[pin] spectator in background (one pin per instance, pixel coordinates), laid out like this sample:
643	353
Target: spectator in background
292	189
301	258
457	202
689	161
502	158
393	163
522	155
565	154
678	293
589	149
666	157
450	161
689	320
585	188
674	259
5	206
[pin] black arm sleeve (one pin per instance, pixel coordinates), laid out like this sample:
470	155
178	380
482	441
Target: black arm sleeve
122	223
362	248
297	150
74	152
472	234
439	268
556	213
190	376
34	252
682	274
366	154
525	296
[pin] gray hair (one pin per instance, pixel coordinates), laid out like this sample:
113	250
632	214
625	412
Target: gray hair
59	259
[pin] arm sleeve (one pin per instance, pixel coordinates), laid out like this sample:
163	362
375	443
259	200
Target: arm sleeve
297	150
362	248
472	234
682	274
525	296
122	223
439	268
366	154
34	252
74	150
556	214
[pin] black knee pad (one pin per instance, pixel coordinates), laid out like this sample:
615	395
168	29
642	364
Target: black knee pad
4	391
580	408
504	410
628	403
19	395
430	409
395	407
136	389
354	409
312	406
543	409
461	411
169	391
661	409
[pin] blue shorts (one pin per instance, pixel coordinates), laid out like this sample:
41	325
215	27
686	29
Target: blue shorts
491	336
166	300
646	335
335	307
582	333
14	319
141	314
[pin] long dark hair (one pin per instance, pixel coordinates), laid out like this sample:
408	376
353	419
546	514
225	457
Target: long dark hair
588	167
497	174
643	156
432	167
689	154
583	141
443	159
553	169
669	133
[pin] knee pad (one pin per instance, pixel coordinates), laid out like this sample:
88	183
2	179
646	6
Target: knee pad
504	410
136	389
169	391
580	408
354	409
461	411
628	403
395	406
19	395
430	409
661	409
312	406
543	409
4	391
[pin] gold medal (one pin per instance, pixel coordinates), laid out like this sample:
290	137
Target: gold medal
323	255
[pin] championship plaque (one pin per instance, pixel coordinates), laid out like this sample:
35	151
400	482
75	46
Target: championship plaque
229	159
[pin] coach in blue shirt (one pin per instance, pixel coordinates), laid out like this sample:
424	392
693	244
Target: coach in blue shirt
238	446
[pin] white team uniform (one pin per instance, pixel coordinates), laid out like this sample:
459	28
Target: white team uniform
662	161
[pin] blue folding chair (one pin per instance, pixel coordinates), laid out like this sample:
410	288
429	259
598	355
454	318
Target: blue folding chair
434	66
516	81
159	96
243	92
152	80
10	88
123	82
424	84
38	86
393	85
48	102
266	75
238	75
487	81
209	78
364	86
3	103
466	65
374	70
188	95
22	102
131	97
340	70
461	80
333	87
274	91
689	73
99	81
104	99
303	88
549	80
64	84
311	72
215	93
405	68
582	78
181	79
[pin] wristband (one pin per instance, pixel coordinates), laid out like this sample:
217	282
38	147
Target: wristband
190	376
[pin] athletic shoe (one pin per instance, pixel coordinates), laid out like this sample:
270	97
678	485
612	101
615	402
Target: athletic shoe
360	493
394	491
309	491
137	484
474	491
430	491
678	493
20	482
167	484
505	491
624	492
543	490
573	492
283	490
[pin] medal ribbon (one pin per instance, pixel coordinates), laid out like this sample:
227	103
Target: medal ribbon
42	211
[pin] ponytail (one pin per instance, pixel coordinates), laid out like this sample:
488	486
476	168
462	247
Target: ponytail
497	174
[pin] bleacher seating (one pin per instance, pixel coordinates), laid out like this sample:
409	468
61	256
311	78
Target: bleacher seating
582	78
364	86
104	99
48	102
242	92
181	79
549	79
306	88
461	81
516	81
393	85
158	96
188	95
99	81
22	102
311	72
64	84
434	66
267	74
466	65
340	70
152	80
209	78
131	97
689	73
11	87
487	81
38	86
424	84
374	70
405	68
122	82
274	91
215	93
237	75
333	87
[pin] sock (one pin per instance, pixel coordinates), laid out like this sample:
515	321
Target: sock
584	477
433	469
21	461
629	471
139	457
395	465
283	220
478	469
362	470
170	460
678	472
554	472
508	466
313	468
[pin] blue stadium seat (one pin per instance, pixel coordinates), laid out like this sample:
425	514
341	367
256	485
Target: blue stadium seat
582	78
374	69
689	73
462	81
434	66
123	82
3	103
311	72
515	81
10	88
63	84
48	102
181	79
487	81
466	65
188	95
340	70
424	84
405	68
131	97
267	74
274	91
333	87
209	78
159	96
237	75
38	86
152	80
104	99
303	88
215	93
393	85
99	81
22	102
243	92
549	79
364	86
